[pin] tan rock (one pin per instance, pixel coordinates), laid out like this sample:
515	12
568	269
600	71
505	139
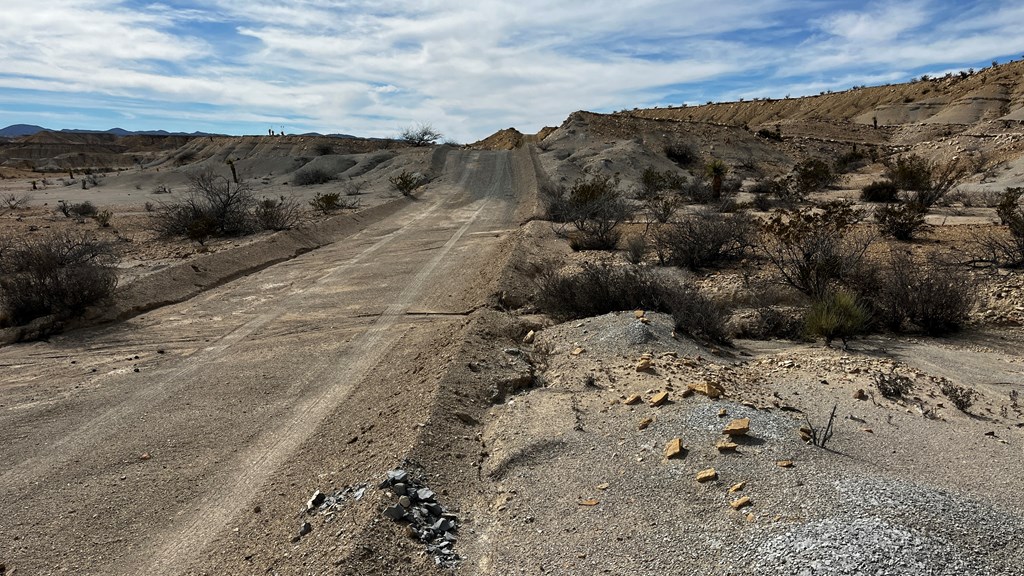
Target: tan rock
590	502
723	413
741	503
643	365
675	449
529	337
639	314
805	434
578	351
634	399
737	427
751	518
784	463
707	475
726	446
860	394
645	423
645	320
737	487
659	399
603	486
709	389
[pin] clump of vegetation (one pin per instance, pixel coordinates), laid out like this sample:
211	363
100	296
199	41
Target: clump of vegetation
697	315
682	154
14	201
961	397
705	239
653	182
901	221
59	274
812	175
880	191
103	218
311	176
406	182
324	149
597	289
892	385
635	248
814	250
595	206
280	214
214	206
1004	247
715	170
420	135
837	314
767	134
325	203
852	160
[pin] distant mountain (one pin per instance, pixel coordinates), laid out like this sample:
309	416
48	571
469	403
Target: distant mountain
15	130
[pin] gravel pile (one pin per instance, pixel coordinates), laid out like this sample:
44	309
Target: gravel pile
427	520
884	527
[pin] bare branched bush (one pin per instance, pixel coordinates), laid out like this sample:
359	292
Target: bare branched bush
420	135
328	202
60	274
705	239
880	191
281	214
635	248
597	289
697	315
934	296
214	206
15	201
961	397
813	250
901	221
892	385
596	208
812	175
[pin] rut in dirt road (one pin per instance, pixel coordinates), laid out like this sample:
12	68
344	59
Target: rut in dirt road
250	371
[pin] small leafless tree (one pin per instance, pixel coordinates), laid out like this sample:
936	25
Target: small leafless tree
420	135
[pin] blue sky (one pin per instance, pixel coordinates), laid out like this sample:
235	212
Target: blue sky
372	67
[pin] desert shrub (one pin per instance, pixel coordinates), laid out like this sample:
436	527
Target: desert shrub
325	203
324	149
14	201
662	207
837	314
813	250
910	172
281	214
698	191
928	182
83	209
103	218
901	221
681	154
406	182
933	296
214	206
597	289
652	182
162	189
961	397
354	187
767	134
635	248
1009	209
715	171
705	239
59	274
880	191
697	315
312	176
812	175
420	135
852	160
149	206
892	385
594	206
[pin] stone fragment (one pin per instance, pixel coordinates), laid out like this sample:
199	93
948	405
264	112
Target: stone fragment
674	449
647	421
723	413
741	502
639	314
805	434
860	394
145	456
466	419
578	351
659	399
405	502
737	427
603	486
707	388
306	528
707	475
634	399
400	489
751	518
784	463
528	339
726	446
737	487
643	365
425	495
315	501
589	502
394	512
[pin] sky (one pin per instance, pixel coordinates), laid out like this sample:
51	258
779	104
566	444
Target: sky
467	68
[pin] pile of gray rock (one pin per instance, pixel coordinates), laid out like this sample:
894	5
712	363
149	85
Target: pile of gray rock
428	521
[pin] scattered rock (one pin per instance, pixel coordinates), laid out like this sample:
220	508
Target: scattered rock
737	427
603	486
530	336
405	502
578	351
639	314
707	388
634	399
145	456
741	503
395	512
675	449
784	463
707	475
805	434
315	501
590	502
723	413
643	365
726	446
466	419
860	394
737	487
659	399
647	421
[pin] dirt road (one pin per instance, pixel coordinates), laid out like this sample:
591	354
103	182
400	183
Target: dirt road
128	449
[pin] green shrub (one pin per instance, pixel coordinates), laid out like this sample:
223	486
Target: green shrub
812	175
837	314
767	134
406	182
705	239
880	191
281	214
595	207
900	221
103	218
652	182
961	397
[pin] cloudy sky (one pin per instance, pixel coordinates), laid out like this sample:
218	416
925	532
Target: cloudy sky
469	68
